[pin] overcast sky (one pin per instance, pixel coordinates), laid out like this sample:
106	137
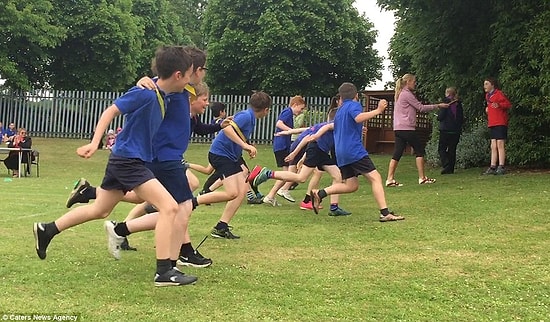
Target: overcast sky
383	22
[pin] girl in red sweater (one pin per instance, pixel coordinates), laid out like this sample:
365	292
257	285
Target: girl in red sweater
497	116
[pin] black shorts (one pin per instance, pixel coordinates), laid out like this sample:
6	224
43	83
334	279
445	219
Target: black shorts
171	175
499	132
401	140
125	174
357	168
224	166
298	157
316	157
280	158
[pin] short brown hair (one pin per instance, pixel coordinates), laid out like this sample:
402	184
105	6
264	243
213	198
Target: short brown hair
297	100
347	91
260	101
170	59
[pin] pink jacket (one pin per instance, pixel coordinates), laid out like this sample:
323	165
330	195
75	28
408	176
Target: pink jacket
404	111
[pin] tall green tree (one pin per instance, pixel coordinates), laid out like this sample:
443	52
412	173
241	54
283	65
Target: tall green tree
286	47
161	21
460	43
27	31
102	48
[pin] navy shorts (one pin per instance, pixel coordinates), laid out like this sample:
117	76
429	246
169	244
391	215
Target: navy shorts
499	132
280	158
171	175
224	166
125	174
316	157
357	168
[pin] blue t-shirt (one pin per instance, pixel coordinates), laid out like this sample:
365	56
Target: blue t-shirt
326	142
142	120
9	132
348	134
223	146
172	138
282	143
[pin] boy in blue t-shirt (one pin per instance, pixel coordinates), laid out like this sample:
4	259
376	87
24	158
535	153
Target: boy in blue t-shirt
126	170
225	156
351	156
281	147
318	143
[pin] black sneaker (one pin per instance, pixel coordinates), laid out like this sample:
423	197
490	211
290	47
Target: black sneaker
194	260
41	238
77	195
126	245
149	209
293	186
174	277
223	233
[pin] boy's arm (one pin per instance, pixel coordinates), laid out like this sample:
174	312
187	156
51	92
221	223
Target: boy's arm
291	131
321	131
202	169
365	116
106	118
229	131
282	126
298	148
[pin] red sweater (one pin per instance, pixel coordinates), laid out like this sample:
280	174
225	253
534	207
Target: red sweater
497	116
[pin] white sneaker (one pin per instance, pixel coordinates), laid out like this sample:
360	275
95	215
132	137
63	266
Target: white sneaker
285	194
113	240
270	201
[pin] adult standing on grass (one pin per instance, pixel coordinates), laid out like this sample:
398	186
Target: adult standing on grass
450	127
404	126
497	121
144	112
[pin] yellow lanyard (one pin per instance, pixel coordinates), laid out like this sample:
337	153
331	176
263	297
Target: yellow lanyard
238	130
161	101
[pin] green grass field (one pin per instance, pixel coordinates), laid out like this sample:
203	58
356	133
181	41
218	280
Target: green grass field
472	248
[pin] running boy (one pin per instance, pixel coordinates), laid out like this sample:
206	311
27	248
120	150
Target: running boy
226	157
281	147
126	170
351	156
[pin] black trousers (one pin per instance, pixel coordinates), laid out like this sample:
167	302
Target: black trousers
447	150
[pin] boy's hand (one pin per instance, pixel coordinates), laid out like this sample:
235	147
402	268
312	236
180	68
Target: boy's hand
146	83
382	104
443	105
290	157
251	151
87	150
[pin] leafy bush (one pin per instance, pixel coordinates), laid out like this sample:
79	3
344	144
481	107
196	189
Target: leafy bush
474	148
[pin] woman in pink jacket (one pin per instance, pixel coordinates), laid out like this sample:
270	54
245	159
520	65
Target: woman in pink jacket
404	126
497	117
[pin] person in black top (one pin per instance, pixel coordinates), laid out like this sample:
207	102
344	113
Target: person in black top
450	127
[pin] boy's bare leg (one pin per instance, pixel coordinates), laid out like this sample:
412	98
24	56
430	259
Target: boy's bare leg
194	182
236	183
153	192
137	211
44	232
105	202
501	152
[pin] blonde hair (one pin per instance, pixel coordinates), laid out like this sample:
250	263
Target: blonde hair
297	100
200	90
401	82
452	91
